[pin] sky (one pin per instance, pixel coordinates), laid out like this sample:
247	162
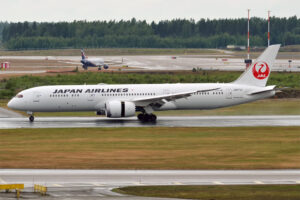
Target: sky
149	10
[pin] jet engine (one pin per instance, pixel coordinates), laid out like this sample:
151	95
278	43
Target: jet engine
84	64
116	109
105	66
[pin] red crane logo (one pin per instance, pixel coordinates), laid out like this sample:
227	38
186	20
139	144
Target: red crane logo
261	70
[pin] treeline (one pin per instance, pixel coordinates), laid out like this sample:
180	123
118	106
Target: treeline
10	87
177	33
2	25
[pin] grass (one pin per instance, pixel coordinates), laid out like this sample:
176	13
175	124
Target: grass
244	192
151	148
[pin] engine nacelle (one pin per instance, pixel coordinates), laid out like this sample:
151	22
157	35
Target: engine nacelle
100	112
116	109
105	66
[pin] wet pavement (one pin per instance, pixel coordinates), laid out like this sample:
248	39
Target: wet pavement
163	121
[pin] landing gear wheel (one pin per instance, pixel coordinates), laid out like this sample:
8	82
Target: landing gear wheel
31	118
147	117
141	117
152	118
99	68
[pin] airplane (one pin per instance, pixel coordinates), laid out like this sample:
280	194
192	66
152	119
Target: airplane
93	62
118	101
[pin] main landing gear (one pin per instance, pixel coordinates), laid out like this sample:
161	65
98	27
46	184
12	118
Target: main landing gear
144	117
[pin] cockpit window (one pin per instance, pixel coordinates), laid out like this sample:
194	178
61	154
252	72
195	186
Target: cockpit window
19	96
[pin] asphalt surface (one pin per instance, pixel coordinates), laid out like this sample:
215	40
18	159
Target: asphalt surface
205	62
8	113
162	62
184	121
97	184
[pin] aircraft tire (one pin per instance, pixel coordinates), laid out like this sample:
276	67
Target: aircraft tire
147	117
141	117
152	118
31	118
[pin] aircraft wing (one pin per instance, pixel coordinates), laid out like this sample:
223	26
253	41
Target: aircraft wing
162	99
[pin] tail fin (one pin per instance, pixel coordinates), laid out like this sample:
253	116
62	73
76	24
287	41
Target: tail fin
82	54
258	73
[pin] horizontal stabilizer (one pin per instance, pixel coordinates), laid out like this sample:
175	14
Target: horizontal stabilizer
262	90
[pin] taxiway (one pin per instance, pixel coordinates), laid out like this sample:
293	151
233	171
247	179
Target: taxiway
149	62
97	184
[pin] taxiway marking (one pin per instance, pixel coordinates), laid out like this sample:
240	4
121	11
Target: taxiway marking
258	182
57	185
218	183
177	183
2	181
98	184
137	183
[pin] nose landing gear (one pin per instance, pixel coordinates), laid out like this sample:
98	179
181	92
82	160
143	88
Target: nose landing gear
31	118
144	117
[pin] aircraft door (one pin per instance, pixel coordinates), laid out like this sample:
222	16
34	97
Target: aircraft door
36	97
237	93
228	93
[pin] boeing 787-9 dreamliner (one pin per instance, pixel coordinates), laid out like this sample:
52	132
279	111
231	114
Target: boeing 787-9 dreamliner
118	101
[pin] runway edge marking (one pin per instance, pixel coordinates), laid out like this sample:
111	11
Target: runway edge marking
2	181
218	183
259	182
57	185
177	183
137	183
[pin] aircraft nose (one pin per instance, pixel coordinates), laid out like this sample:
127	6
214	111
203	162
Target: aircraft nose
12	104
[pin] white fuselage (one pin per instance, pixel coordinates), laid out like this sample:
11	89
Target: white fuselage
124	100
94	97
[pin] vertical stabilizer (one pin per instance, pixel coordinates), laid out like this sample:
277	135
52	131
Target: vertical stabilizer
82	54
258	73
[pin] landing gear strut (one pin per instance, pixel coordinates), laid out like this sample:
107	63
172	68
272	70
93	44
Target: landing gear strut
31	118
144	117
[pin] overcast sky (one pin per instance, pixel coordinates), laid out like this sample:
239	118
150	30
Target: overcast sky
69	10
